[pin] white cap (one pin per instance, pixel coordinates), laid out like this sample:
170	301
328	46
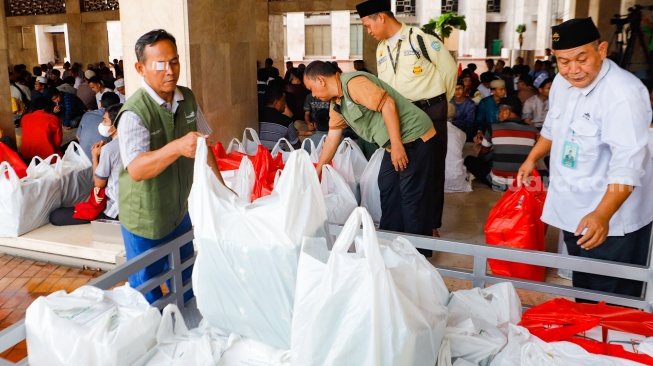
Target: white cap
42	80
119	82
89	74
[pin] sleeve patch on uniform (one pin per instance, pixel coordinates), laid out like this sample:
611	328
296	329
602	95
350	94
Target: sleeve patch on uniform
435	45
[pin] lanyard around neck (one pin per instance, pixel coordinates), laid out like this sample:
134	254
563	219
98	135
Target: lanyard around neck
393	62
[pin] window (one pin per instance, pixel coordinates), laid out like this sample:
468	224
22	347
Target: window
318	40
494	6
449	6
405	8
356	40
30	7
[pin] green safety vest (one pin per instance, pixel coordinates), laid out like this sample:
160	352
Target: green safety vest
153	208
370	125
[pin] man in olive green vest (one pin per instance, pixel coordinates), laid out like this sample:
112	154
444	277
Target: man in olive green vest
379	114
158	137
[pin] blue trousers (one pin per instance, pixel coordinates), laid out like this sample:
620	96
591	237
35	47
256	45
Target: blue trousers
135	245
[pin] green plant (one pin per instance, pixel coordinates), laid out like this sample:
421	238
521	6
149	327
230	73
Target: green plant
445	23
521	29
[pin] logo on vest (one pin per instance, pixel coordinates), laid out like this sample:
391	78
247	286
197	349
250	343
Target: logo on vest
190	118
417	70
409	53
157	132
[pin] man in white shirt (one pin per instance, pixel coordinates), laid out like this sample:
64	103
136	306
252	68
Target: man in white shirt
537	106
601	169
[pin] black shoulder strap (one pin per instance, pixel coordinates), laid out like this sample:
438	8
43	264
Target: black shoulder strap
432	33
422	47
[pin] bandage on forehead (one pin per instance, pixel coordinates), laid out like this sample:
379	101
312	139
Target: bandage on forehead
160	65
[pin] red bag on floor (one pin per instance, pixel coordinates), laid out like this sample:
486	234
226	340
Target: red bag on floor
515	222
564	320
10	156
92	208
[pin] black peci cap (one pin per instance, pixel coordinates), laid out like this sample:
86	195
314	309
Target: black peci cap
371	7
513	102
574	33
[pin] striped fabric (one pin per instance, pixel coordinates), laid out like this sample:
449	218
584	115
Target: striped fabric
512	141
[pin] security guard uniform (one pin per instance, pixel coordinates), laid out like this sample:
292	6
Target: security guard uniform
419	67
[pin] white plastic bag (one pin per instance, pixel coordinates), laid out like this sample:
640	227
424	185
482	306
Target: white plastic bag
177	346
498	305
76	170
320	145
90	327
245	271
278	150
369	183
26	204
250	146
313	155
338	198
242	182
455	174
350	162
235	145
352	311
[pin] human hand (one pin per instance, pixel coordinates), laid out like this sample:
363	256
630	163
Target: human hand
524	173
97	148
187	145
318	169
56	109
399	157
596	227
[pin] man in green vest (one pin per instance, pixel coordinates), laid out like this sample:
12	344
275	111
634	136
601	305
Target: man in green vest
379	114
158	134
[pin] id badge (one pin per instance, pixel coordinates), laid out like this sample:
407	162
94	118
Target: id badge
570	155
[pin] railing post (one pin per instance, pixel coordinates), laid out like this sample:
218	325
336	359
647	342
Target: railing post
174	260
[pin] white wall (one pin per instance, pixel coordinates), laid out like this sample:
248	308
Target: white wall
340	37
114	32
44	46
296	36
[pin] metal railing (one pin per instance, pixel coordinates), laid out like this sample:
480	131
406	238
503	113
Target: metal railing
477	275
480	278
16	332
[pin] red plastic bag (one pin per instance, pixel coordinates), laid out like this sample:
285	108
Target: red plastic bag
91	209
226	161
10	156
564	320
515	222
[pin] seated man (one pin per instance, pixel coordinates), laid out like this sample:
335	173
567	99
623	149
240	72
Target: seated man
505	147
68	107
275	121
42	133
488	108
537	106
87	132
321	126
106	171
465	111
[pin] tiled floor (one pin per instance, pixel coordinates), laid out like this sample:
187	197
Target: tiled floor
24	280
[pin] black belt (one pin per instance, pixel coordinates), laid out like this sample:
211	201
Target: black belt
425	103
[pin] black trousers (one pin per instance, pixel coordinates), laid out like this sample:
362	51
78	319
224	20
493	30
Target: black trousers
407	197
632	248
64	217
438	114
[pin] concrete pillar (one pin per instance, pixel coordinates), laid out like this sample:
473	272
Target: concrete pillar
276	42
340	37
140	17
579	9
601	12
262	31
222	63
369	52
472	41
75	32
6	117
427	10
296	36
544	23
